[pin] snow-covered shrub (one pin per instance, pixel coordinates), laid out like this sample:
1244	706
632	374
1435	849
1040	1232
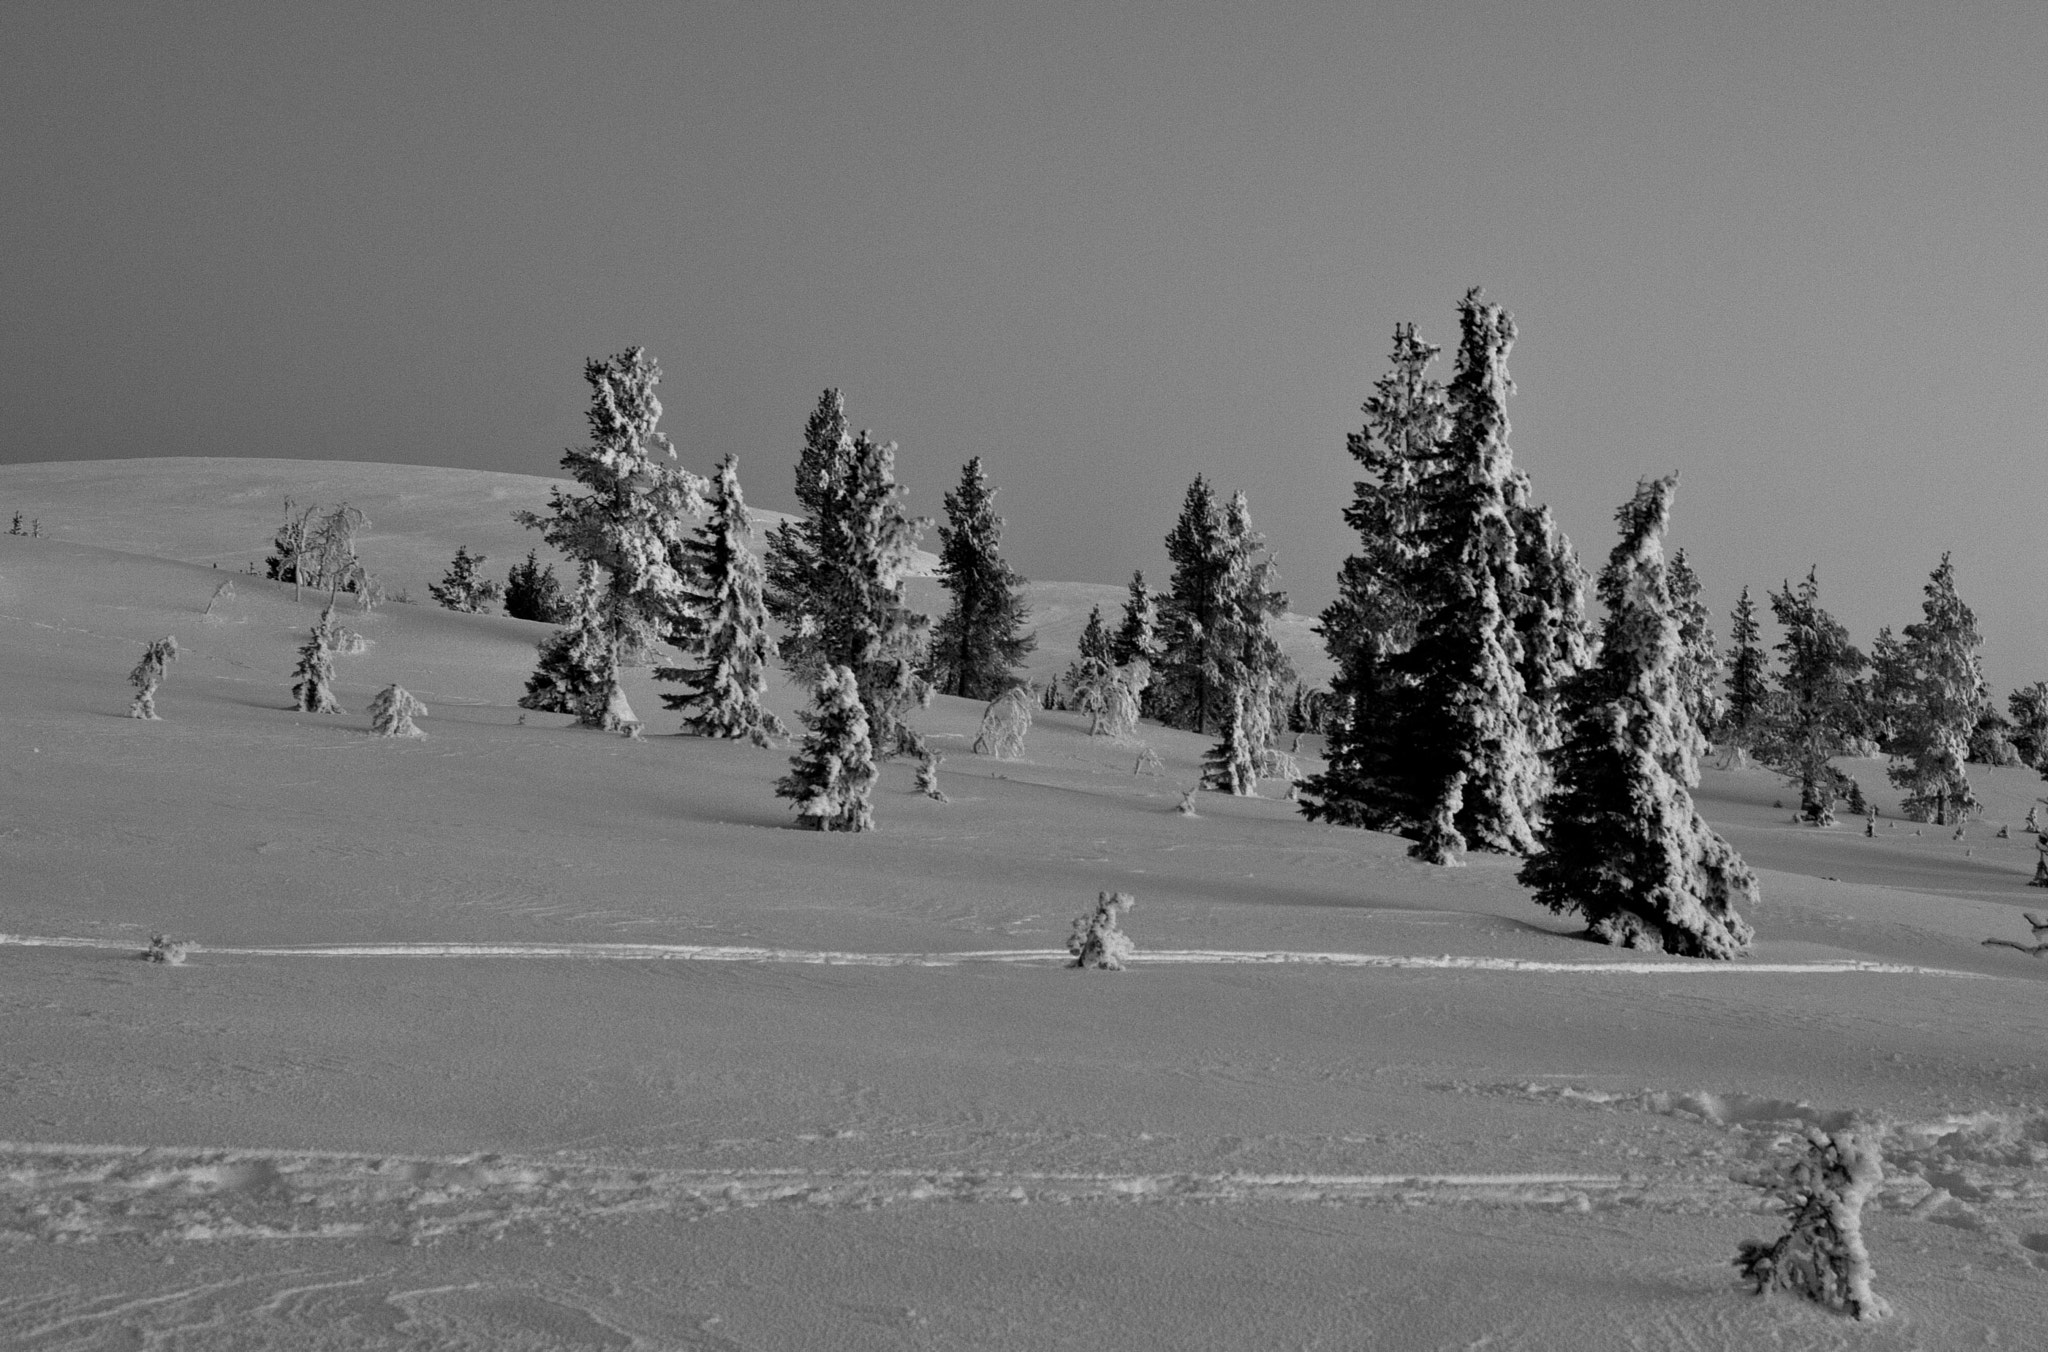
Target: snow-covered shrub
1148	763
1096	941
149	674
464	588
928	775
393	710
1108	694
1186	806
532	593
1004	724
833	774
313	690
1821	1257
164	949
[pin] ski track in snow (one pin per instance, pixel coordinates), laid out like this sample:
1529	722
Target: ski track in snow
614	952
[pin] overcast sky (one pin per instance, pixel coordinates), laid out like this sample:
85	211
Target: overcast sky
1794	252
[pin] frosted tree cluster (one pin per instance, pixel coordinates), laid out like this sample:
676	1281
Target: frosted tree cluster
1821	1255
1214	633
148	675
721	622
1097	939
1623	845
1458	622
626	528
977	647
393	710
832	776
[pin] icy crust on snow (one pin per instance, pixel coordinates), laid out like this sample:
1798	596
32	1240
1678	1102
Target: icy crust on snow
621	952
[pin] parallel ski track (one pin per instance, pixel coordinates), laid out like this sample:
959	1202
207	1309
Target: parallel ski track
1147	958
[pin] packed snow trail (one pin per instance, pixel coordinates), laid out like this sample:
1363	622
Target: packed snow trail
1143	958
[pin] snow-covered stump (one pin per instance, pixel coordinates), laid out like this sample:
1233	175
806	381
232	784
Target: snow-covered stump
393	710
313	688
1004	724
831	778
1096	940
1821	1257
149	675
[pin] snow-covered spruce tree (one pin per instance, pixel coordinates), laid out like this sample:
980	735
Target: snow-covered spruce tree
1821	1256
1817	709
976	647
290	550
149	674
1699	661
575	666
928	775
1232	765
1748	690
1095	640
636	510
720	620
1136	638
1004	724
832	777
1193	610
1887	693
1368	780
1547	606
1096	940
1622	844
532	593
1476	767
796	587
2028	706
393	710
464	587
313	683
1947	696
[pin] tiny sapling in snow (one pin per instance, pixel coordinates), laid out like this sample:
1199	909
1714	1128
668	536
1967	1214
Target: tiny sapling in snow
1821	1256
393	710
164	949
1096	940
149	674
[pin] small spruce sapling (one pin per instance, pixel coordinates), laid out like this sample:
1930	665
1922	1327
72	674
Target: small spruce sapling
1096	940
149	674
393	710
532	593
1004	724
313	690
928	775
832	776
1821	1257
464	588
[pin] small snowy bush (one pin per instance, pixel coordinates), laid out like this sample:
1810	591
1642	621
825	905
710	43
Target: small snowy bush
928	776
1821	1256
149	674
1003	725
1096	940
393	710
162	948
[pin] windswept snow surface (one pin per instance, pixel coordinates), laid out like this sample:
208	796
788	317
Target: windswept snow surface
680	1076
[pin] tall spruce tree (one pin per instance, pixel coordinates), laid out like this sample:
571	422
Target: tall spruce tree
635	512
1748	670
796	585
1699	661
977	647
1476	764
1136	638
1946	698
1817	709
1190	648
721	622
1095	643
1887	693
1622	843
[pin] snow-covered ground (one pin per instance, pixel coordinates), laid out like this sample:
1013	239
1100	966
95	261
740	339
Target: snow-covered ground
523	1036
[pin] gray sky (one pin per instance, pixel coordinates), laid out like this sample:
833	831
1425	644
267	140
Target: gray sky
1793	252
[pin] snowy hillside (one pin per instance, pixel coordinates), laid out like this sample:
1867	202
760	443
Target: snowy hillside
526	1036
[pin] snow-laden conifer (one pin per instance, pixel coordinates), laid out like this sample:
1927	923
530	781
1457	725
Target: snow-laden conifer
393	710
532	593
1546	604
1821	1256
977	646
797	590
1476	765
1887	693
313	677
1817	706
2028	706
1004	724
1097	939
1136	638
1232	765
1946	698
928	775
464	587
719	620
576	669
1622	844
148	675
1095	638
1748	669
1195	612
832	776
1699	661
633	514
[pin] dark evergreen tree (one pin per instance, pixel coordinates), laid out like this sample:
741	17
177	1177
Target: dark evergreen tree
464	587
575	668
721	621
1946	698
797	587
1699	662
313	688
1748	690
2029	708
1191	646
532	593
636	510
1136	637
1888	691
976	648
832	777
1622	844
1096	643
1817	710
